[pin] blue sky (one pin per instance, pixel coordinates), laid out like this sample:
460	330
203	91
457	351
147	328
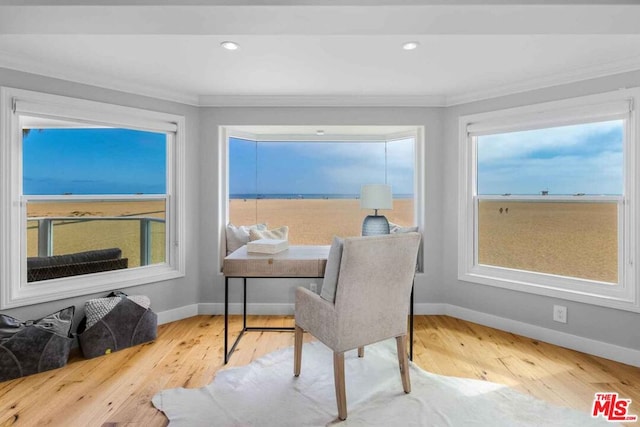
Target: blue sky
586	158
318	167
94	161
564	160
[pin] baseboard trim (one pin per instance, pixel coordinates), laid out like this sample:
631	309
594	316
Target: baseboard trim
179	313
586	345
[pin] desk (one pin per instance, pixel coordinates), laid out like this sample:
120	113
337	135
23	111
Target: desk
295	262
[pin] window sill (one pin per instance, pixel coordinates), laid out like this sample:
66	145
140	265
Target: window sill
618	298
68	287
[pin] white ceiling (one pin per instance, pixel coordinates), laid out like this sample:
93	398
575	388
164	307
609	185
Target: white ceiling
321	52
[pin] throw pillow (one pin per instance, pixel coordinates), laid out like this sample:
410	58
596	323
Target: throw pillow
237	237
395	228
95	309
332	270
281	233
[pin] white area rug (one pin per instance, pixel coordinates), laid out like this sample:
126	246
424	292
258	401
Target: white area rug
265	393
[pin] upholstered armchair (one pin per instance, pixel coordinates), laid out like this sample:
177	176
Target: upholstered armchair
364	299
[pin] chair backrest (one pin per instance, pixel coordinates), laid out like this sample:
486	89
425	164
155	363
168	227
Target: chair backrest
374	287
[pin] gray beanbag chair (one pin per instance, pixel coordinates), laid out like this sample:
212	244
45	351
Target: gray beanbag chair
35	345
123	324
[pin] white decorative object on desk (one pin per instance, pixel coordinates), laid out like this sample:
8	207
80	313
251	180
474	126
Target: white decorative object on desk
267	246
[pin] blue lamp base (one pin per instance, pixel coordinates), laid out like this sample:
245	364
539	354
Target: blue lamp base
375	225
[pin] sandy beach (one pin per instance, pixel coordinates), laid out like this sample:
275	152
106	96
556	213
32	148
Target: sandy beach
567	239
314	221
73	235
571	239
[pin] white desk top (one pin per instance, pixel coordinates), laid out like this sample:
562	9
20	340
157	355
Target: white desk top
306	252
297	261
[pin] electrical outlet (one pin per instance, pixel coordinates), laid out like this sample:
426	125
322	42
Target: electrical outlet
313	287
560	313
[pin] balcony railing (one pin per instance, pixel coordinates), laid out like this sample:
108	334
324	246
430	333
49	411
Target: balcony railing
46	225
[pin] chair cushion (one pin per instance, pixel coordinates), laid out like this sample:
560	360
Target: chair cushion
56	271
281	233
331	272
74	258
237	237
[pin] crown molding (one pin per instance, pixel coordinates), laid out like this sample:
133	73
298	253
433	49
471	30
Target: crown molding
322	100
567	77
59	71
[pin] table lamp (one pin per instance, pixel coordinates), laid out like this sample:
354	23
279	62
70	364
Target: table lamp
375	196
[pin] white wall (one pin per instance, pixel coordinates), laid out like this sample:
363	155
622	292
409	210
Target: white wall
588	321
279	293
164	295
436	290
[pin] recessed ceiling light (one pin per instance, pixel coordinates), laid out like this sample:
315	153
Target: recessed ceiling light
229	45
319	132
410	45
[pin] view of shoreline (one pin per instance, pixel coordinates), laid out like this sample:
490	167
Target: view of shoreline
325	196
570	239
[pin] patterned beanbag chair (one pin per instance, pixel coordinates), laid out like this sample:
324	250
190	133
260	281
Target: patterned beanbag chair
116	322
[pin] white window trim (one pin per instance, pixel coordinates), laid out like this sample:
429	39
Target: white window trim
14	290
227	132
626	295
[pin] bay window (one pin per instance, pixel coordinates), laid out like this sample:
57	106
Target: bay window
291	176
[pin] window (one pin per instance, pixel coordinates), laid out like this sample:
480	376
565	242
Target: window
74	180
546	199
313	187
92	190
312	183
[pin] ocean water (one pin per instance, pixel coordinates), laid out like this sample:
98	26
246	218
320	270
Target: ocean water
306	196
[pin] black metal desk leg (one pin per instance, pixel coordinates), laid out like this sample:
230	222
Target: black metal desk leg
226	318
229	351
244	305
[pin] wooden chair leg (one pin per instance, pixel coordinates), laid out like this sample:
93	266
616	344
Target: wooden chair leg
297	350
338	377
403	360
361	351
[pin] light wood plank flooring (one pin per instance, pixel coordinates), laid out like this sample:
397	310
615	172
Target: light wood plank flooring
116	390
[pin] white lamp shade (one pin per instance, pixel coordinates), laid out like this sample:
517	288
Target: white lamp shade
376	196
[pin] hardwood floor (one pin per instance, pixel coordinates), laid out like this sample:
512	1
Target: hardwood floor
116	390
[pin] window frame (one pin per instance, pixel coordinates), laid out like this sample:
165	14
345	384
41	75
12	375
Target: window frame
226	132
624	295
15	291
